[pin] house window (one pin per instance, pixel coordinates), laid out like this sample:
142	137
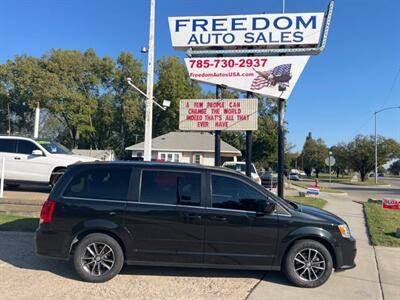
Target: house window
197	158
139	154
169	156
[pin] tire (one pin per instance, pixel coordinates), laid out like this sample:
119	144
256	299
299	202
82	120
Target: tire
56	175
317	266
102	267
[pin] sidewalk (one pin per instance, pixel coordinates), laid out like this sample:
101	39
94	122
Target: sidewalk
362	282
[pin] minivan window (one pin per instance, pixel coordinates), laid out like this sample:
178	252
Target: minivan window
100	183
176	188
26	147
232	193
8	145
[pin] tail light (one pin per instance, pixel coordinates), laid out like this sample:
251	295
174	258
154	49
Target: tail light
46	215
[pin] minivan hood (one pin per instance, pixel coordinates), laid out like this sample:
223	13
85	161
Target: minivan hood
320	214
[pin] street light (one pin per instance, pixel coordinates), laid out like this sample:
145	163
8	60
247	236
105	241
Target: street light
376	139
165	104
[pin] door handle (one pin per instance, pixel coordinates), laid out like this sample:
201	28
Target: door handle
112	213
193	217
17	158
218	219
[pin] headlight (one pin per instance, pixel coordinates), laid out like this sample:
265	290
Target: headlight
345	231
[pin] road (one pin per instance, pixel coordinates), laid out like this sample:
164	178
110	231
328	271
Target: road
363	193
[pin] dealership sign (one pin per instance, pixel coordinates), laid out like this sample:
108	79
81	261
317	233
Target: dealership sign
391	203
270	76
262	30
217	114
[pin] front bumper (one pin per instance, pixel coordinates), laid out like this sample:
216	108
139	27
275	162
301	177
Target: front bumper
346	252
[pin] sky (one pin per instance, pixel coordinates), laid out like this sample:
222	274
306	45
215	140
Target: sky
335	98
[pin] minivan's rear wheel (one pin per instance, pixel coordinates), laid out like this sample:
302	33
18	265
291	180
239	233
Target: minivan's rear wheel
308	264
98	258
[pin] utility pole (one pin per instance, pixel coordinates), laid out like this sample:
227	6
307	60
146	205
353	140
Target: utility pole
150	82
330	167
376	153
9	118
37	120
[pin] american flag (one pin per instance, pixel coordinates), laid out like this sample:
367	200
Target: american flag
279	74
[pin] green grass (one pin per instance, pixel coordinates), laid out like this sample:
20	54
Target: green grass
322	188
316	202
382	225
18	223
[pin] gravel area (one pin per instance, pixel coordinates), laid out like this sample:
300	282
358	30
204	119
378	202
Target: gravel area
23	275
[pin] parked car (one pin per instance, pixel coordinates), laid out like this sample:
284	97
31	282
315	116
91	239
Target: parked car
35	161
142	213
294	177
240	166
269	179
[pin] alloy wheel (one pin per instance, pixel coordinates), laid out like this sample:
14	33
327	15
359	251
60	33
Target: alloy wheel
98	259
309	264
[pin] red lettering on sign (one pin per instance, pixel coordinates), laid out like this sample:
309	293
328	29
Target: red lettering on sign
232	111
202	124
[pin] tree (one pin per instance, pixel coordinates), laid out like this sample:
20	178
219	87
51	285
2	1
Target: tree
341	155
265	139
79	78
361	153
173	84
120	115
314	154
22	83
395	168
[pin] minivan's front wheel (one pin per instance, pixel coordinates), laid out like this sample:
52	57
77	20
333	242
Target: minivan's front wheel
308	264
98	258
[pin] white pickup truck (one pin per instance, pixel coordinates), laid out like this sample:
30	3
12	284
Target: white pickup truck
35	161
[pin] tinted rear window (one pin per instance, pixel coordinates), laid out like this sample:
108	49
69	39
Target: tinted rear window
100	183
8	145
176	188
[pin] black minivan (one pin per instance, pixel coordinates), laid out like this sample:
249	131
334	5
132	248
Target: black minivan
165	214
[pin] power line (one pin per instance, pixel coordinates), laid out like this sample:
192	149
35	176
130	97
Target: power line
391	88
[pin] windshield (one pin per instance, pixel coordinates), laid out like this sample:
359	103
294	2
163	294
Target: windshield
239	167
54	147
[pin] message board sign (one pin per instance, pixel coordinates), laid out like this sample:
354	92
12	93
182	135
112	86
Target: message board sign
391	203
261	30
216	114
273	76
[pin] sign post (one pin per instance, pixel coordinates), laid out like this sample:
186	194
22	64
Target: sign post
217	133
330	162
281	104
249	145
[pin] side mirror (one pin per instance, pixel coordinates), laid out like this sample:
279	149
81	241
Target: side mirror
270	207
37	152
267	208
